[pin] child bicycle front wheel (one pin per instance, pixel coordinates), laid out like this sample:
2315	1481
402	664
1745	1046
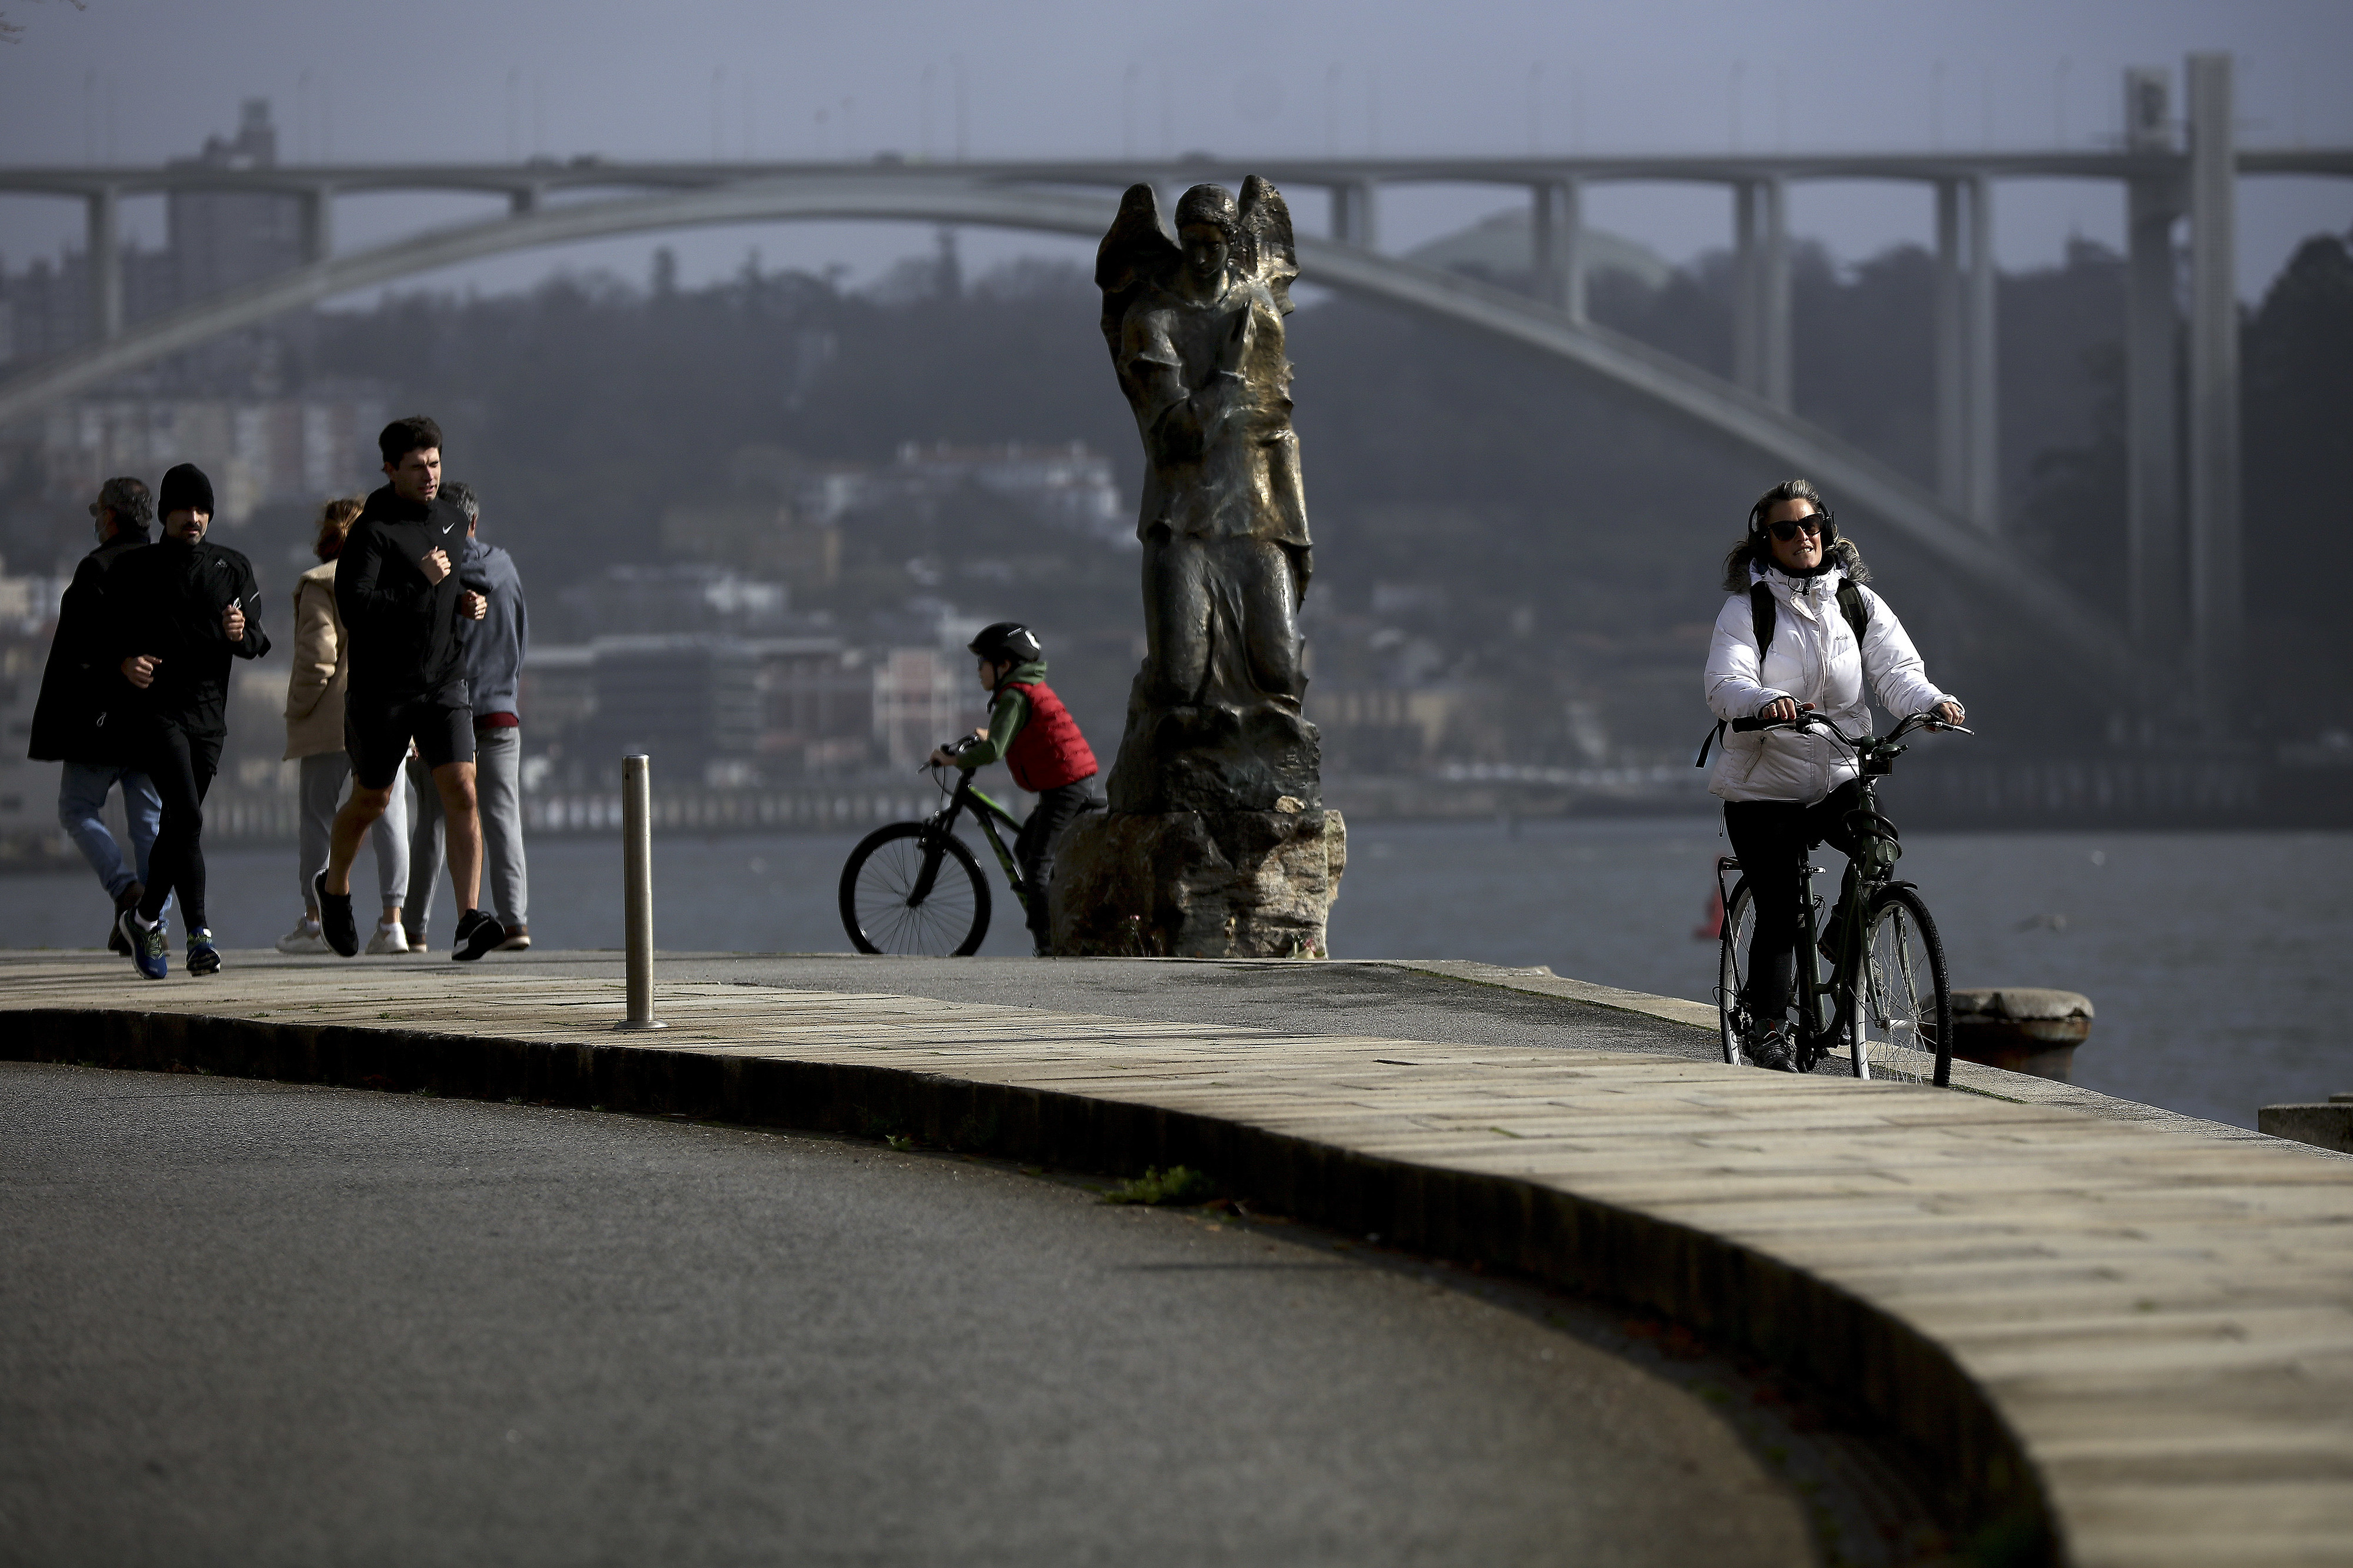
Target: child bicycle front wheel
909	889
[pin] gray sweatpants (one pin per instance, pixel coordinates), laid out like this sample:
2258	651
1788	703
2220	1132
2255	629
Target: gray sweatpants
498	795
324	778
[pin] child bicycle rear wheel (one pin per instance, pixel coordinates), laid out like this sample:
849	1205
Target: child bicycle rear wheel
910	889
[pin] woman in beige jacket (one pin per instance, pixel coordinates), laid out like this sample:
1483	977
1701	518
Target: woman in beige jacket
314	736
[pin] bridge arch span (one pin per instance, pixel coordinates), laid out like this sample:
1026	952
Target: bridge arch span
1993	574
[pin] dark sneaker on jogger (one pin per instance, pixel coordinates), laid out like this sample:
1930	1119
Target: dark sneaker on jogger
127	899
478	933
336	922
148	949
203	958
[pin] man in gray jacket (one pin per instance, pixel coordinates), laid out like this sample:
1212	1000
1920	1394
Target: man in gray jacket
494	649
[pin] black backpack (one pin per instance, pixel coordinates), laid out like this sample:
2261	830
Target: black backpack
1764	613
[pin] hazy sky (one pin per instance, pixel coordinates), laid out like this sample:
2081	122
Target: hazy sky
140	80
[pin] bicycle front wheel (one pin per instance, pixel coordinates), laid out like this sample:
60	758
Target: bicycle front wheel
910	889
1732	971
1903	1019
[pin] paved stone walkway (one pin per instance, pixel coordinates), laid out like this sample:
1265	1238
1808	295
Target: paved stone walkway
2162	1321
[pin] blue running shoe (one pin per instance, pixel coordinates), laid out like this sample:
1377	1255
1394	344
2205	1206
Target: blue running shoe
203	958
149	948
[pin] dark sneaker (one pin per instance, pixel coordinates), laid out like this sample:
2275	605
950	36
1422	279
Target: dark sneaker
148	950
203	958
1770	1050
336	922
478	933
128	900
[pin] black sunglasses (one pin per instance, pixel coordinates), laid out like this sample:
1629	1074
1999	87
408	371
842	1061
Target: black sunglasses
1812	523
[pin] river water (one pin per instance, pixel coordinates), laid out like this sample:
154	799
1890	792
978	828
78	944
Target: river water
2217	962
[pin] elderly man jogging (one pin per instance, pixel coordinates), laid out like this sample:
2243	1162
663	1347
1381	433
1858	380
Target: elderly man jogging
495	647
396	589
79	720
176	613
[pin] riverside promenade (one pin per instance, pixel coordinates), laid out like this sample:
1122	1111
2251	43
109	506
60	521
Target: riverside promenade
2119	1337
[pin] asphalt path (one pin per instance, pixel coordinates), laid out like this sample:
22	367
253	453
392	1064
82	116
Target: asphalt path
263	1323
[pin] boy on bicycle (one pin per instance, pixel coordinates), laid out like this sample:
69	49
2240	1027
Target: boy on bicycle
1040	742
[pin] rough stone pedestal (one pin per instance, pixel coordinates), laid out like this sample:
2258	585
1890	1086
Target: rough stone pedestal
2021	1029
1198	884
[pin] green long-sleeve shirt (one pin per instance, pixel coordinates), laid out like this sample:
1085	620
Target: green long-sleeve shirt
1007	711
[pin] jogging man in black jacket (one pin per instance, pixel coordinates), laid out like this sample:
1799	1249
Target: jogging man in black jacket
80	719
397	591
176	613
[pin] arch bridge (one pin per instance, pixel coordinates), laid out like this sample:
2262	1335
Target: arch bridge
2183	559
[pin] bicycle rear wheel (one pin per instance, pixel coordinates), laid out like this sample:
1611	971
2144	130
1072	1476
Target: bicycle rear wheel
1732	972
908	889
1903	1020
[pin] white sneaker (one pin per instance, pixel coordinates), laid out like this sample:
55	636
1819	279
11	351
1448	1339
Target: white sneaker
306	937
388	938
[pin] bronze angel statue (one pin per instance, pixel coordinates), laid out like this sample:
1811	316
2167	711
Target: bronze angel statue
1195	332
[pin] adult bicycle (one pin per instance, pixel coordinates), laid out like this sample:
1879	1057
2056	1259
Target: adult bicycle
916	889
1885	1004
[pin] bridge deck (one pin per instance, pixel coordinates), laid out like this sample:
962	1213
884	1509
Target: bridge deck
2158	1320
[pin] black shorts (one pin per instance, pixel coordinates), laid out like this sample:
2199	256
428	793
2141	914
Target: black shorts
377	733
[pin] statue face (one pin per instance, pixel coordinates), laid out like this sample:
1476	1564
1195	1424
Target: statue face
1205	249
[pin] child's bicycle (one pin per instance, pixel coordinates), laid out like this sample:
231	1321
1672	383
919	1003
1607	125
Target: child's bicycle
1885	1001
916	889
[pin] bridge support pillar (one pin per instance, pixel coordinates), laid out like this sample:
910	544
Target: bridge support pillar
2157	571
1968	474
105	257
1761	333
1984	504
1352	215
2217	612
1558	228
522	199
318	223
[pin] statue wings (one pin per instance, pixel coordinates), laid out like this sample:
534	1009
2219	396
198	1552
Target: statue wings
1137	251
1267	252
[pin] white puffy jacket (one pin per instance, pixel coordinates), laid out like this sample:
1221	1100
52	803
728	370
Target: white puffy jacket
1814	660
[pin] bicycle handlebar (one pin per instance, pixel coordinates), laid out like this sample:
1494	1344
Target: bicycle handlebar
1809	720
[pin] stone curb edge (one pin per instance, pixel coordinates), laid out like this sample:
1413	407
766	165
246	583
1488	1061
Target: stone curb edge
1810	1329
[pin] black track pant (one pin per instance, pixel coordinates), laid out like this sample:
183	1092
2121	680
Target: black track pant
181	765
1033	848
1771	838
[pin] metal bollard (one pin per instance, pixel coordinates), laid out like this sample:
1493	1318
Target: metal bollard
638	890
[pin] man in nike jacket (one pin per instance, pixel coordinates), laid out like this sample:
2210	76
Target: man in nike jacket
397	591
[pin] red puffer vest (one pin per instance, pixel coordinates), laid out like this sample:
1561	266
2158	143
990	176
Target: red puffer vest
1048	752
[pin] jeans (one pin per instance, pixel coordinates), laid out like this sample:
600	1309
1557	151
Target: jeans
323	778
81	805
182	763
498	800
1033	851
1771	838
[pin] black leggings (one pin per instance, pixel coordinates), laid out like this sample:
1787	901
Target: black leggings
182	765
1033	847
1771	838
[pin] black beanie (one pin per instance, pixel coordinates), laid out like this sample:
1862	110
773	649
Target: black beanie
185	488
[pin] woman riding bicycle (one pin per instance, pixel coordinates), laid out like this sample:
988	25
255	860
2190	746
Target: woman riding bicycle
1793	579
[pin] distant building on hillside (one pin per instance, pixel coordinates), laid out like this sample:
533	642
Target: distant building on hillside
1069	484
259	452
731	712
